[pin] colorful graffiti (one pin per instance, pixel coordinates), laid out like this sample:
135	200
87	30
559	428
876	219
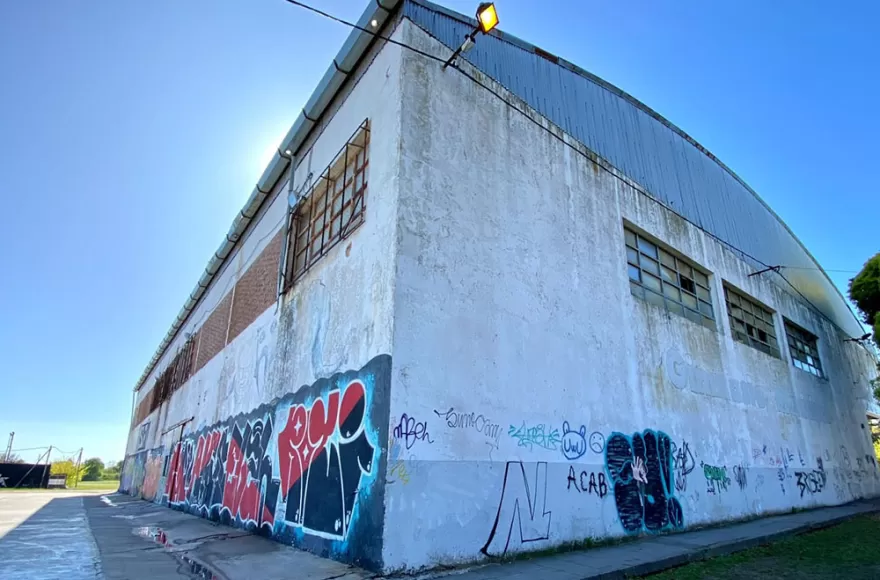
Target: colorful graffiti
153	473
324	451
641	469
304	466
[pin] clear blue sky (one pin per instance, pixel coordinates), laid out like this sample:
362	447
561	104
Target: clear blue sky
131	133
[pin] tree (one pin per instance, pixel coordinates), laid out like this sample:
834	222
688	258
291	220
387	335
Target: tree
12	458
68	469
864	291
93	469
111	471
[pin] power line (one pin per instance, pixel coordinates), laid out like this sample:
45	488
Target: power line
559	138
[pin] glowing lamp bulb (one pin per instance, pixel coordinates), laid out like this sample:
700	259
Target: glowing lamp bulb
374	23
487	17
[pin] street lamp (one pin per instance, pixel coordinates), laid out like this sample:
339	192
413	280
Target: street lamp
487	19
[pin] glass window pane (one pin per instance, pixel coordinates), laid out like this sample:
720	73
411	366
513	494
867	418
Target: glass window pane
649	265
647	248
651	282
688	300
630	238
706	309
667	260
633	273
675	307
671	291
701	279
632	256
653	298
685	270
709	323
687	284
636	290
668	275
694	316
703	294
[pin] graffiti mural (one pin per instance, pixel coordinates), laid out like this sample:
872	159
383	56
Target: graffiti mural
324	451
641	471
142	433
153	473
522	515
305	466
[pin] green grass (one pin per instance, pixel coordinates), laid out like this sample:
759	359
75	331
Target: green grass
83	486
850	550
104	485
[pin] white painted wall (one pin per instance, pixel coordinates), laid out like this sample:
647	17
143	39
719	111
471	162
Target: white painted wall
338	316
514	323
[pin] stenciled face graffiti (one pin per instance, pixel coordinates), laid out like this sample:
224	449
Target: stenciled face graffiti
306	466
641	469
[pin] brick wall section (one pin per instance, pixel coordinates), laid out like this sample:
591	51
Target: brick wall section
256	290
212	334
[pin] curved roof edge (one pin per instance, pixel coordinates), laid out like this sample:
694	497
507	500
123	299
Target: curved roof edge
353	49
531	48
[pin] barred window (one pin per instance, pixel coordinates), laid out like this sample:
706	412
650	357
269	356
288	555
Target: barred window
333	208
803	348
661	278
174	376
751	323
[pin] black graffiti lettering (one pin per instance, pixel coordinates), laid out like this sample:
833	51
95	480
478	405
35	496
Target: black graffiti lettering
522	503
740	476
587	482
684	464
409	431
811	481
640	469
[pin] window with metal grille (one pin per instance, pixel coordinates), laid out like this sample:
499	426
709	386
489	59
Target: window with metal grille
174	376
751	323
803	348
659	277
333	208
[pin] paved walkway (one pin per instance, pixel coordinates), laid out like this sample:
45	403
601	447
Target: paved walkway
45	535
48	535
650	555
139	540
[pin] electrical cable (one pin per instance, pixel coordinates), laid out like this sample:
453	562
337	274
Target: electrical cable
562	140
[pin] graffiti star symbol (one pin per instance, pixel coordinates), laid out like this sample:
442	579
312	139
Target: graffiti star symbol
298	426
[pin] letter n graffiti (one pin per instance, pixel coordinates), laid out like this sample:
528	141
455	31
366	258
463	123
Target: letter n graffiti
522	508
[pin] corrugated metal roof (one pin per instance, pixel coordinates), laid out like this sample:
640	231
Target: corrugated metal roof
663	159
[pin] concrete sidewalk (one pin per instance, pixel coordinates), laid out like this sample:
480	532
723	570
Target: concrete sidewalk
654	554
138	540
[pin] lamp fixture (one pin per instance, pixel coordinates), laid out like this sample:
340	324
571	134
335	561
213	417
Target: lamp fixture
487	20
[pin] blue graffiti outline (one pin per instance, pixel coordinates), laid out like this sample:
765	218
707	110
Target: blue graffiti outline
668	483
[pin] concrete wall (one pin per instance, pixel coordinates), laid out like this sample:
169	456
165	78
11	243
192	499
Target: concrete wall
534	401
284	429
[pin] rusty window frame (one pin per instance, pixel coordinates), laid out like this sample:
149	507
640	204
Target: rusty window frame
333	209
174	376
